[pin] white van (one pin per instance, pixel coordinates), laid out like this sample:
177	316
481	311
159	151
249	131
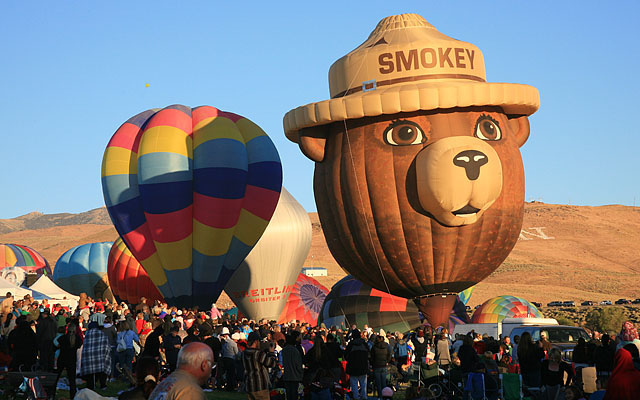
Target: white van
501	329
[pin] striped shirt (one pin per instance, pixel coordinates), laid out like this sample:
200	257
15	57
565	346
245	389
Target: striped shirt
256	364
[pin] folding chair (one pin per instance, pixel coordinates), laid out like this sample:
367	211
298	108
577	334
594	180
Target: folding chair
475	386
511	387
589	380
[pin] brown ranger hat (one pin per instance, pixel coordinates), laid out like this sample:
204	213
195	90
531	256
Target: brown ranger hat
407	65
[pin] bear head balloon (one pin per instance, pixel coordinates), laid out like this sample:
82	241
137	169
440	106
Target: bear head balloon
419	181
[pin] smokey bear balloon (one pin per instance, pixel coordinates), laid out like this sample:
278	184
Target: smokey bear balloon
419	181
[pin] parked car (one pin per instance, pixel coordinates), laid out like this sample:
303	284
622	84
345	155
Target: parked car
636	301
568	303
562	337
536	304
623	301
587	303
605	303
554	304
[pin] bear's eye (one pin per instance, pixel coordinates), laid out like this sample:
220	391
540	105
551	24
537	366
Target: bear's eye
487	128
404	133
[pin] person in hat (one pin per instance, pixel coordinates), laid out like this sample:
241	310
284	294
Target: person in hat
256	363
228	354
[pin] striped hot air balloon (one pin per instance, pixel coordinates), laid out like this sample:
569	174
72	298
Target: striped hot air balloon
353	302
128	280
501	307
18	255
190	191
83	269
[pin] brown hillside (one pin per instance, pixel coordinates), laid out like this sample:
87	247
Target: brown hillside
564	253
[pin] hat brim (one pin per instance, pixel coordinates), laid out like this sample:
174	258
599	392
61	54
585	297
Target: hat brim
514	98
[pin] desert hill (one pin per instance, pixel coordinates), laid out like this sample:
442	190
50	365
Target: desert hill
564	252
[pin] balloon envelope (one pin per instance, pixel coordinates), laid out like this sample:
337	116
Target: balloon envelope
501	307
465	295
127	278
18	255
274	263
190	191
353	302
81	268
305	301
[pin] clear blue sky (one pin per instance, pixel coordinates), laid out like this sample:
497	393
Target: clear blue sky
72	71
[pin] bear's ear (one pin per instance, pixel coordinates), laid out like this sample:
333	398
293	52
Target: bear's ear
312	141
520	127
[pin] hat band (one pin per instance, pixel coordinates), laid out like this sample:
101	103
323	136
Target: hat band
370	85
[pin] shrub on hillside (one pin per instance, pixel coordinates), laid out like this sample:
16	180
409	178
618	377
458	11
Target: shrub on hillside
562	320
608	319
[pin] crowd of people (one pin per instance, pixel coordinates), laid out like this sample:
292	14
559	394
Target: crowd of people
170	353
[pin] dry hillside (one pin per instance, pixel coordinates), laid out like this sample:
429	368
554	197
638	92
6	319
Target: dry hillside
564	253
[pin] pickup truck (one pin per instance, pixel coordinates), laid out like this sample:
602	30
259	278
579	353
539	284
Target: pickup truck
562	337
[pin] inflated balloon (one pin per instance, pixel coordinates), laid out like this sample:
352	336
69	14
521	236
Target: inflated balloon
190	191
419	181
501	307
259	286
304	302
465	295
128	280
83	269
353	302
24	257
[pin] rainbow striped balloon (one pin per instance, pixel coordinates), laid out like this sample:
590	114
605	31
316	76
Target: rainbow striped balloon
17	255
190	191
501	307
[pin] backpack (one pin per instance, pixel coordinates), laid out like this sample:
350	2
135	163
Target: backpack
401	349
122	345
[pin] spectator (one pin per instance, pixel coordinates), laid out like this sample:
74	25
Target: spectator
401	350
553	371
152	343
256	364
228	355
442	351
172	344
147	375
530	356
467	355
334	353
95	364
604	356
125	339
45	333
292	365
69	344
193	370
357	355
22	345
380	357
624	383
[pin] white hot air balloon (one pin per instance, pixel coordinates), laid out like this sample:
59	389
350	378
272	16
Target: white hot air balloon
261	285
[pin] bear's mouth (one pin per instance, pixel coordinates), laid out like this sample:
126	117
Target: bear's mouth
466	211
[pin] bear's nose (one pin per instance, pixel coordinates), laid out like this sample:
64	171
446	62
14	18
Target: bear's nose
471	161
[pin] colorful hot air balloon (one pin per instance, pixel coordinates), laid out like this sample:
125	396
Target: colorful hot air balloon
465	295
458	314
274	263
304	302
418	180
353	302
501	307
190	191
83	269
127	278
17	255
